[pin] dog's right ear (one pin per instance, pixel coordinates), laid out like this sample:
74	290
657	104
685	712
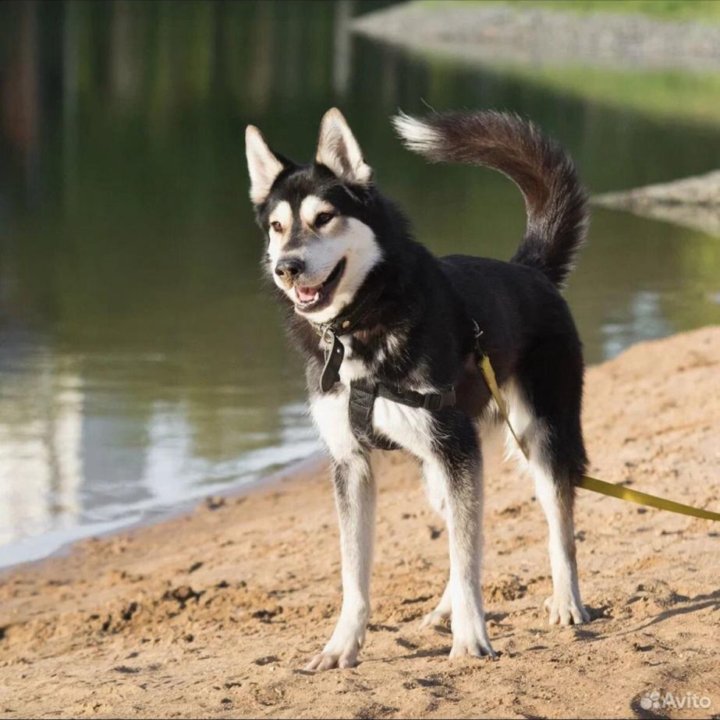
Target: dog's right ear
263	166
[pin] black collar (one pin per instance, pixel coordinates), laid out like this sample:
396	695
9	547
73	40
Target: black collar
353	317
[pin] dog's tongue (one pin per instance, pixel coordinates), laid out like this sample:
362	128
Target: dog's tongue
305	294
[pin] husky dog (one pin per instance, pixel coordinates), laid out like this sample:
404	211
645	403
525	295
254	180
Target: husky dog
391	336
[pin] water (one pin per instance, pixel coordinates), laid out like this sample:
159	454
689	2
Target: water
141	362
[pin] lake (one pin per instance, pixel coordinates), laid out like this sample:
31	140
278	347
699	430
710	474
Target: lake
142	362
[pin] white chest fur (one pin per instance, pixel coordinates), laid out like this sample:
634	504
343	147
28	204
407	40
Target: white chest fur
411	428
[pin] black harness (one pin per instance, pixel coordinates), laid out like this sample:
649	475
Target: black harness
362	403
363	392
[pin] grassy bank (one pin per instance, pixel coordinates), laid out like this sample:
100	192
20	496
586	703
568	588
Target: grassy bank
662	94
707	11
656	88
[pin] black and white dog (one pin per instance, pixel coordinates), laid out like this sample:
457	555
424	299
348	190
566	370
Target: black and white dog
390	334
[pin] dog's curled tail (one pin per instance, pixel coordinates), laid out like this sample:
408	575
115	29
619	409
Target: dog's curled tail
555	201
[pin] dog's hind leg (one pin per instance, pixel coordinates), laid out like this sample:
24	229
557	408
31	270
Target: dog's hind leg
551	381
435	489
441	614
564	606
355	500
456	465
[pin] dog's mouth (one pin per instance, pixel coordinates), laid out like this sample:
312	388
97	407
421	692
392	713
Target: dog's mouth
308	299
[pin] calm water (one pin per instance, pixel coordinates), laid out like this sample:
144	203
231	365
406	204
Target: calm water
141	363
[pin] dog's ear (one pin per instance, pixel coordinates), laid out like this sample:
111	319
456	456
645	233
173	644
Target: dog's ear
339	151
263	166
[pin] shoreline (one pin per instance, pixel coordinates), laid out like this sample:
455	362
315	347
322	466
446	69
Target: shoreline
214	612
296	471
673	202
691	202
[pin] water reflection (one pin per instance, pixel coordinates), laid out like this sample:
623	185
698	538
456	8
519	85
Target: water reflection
41	413
141	363
76	453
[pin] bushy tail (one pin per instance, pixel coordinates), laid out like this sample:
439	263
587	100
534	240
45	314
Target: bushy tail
555	200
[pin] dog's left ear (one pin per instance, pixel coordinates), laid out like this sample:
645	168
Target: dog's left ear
263	166
339	151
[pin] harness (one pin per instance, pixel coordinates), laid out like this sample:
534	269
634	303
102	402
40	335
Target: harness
364	391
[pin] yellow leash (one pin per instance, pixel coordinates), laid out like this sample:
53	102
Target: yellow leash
587	482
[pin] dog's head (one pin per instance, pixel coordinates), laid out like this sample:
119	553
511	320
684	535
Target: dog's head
320	243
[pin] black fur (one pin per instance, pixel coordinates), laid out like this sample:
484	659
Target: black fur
413	326
430	303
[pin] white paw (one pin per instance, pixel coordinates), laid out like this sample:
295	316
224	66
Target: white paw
564	609
470	638
327	659
342	648
476	647
435	619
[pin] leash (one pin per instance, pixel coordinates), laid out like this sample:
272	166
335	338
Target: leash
587	482
362	401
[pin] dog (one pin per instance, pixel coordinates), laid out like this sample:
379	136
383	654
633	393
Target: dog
391	336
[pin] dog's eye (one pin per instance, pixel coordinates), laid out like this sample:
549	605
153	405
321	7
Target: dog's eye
323	218
276	226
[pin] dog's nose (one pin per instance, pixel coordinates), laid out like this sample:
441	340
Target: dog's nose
289	268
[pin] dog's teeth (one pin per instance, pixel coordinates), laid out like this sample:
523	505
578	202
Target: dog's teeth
304	296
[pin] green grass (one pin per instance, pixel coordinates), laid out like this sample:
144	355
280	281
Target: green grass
698	10
663	94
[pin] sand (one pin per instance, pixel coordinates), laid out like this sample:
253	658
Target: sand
215	613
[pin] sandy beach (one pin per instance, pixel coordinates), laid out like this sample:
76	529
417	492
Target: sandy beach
216	612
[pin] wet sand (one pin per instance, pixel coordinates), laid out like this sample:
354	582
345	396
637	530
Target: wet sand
215	613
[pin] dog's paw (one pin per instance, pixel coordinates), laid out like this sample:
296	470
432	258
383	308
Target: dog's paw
475	647
435	619
470	638
329	660
565	610
342	649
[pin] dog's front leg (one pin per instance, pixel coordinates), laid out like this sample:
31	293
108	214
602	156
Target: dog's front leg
355	499
457	468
